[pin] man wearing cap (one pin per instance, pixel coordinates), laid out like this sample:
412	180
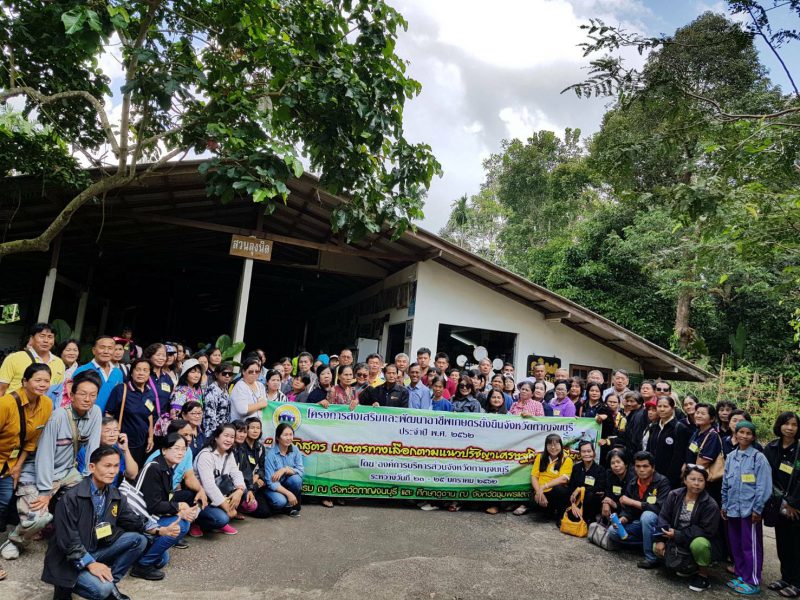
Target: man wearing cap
111	376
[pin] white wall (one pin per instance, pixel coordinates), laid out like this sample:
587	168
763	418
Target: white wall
444	296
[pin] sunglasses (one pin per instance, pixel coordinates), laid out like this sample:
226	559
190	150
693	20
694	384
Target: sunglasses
694	466
464	385
227	373
662	389
361	374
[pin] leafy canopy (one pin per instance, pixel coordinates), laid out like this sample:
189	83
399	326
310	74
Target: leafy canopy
255	84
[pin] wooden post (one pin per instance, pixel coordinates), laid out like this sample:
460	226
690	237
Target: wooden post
721	381
50	283
242	299
81	316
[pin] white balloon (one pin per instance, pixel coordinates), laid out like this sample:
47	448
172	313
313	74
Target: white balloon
461	360
480	353
497	364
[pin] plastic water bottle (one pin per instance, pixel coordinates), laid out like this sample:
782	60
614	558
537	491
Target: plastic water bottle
618	524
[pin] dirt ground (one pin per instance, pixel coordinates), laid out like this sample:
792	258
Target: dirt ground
397	552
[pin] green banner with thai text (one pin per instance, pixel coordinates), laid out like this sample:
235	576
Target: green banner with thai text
420	454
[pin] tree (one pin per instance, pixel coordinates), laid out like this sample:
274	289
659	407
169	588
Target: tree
253	84
475	224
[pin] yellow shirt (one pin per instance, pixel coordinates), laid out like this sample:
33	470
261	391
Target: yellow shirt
35	420
15	364
549	474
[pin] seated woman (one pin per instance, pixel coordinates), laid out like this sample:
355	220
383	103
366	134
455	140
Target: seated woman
221	478
689	519
174	517
549	478
590	476
617	477
283	472
250	455
192	413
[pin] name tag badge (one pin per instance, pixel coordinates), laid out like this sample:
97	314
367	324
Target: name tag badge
748	478
103	530
556	412
252	460
149	405
693	447
616	489
589	480
165	387
786	468
15	454
652	499
690	506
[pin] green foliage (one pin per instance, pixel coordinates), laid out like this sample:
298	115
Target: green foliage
257	84
229	348
63	330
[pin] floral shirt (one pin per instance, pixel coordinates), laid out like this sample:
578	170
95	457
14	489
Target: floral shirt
217	407
180	396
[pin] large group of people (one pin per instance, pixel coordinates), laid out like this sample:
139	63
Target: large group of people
118	461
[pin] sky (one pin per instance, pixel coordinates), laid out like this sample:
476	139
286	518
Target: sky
494	70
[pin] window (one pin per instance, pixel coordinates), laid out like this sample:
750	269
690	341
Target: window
582	371
468	341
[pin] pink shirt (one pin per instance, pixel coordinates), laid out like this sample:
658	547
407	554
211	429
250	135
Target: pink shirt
531	407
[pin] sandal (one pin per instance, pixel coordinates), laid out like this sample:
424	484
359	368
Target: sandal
745	589
789	591
776	586
3	574
454	507
520	510
327	503
492	510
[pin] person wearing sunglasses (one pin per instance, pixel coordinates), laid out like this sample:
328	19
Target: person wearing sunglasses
464	399
690	520
249	396
217	406
361	374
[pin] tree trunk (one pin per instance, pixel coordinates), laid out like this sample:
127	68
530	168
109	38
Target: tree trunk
683	310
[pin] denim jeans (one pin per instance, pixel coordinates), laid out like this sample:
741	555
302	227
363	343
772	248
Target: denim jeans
212	517
119	557
6	496
157	555
279	502
640	533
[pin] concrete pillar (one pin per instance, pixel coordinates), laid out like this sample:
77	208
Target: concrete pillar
104	317
242	299
50	283
81	316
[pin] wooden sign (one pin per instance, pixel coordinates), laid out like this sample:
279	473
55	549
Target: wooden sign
251	247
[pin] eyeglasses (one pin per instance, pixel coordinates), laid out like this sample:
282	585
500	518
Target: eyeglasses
195	413
227	373
252	372
694	466
361	374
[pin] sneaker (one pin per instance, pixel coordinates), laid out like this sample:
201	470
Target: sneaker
182	544
698	583
147	572
195	531
746	589
227	530
647	564
9	550
62	593
428	506
294	513
734	582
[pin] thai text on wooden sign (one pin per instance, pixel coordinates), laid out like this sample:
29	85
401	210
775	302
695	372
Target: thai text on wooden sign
251	247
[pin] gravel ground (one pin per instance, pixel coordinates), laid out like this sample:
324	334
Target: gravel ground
393	551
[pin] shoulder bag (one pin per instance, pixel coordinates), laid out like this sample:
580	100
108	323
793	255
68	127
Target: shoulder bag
716	469
598	535
577	528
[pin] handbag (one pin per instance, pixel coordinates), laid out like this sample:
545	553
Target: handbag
716	469
224	482
134	496
162	421
577	528
679	559
122	404
598	535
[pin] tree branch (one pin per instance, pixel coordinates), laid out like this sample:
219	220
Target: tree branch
129	76
736	117
40	98
774	50
42	242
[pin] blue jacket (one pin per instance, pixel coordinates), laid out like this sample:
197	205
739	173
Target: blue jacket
275	461
747	483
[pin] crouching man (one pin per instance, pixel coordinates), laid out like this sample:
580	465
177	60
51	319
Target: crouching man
97	535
